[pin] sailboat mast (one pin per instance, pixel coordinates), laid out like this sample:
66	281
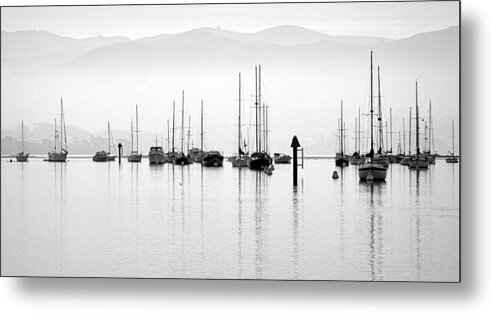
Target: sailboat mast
417	118
380	116
355	128
358	134
136	131
391	131
131	132
109	141
431	129
266	127
189	133
61	125
201	128
259	104
168	136
410	133
56	137
341	127
22	131
453	138
386	126
425	136
404	145
174	105
239	120
182	123
256	108
372	112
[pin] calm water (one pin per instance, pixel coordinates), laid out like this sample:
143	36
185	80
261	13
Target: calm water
134	220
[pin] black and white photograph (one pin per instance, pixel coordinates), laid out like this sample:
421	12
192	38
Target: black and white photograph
266	141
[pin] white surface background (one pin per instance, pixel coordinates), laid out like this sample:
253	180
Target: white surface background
473	295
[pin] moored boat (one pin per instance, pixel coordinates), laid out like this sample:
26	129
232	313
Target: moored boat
156	155
213	159
134	155
452	159
341	159
22	156
100	156
181	158
241	160
61	154
259	159
419	161
280	158
372	171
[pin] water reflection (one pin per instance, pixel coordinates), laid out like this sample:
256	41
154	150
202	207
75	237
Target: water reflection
297	199
234	224
240	224
261	222
59	205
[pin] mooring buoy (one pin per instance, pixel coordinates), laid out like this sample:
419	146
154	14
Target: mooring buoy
335	175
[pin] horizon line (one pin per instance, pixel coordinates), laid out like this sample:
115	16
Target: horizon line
222	29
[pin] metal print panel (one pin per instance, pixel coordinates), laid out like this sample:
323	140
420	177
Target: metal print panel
288	141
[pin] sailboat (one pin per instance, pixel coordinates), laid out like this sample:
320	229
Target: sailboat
453	159
211	158
241	160
134	155
22	156
380	158
197	154
181	158
171	154
356	158
372	170
259	159
111	156
389	153
430	134
341	159
59	155
419	161
406	160
103	155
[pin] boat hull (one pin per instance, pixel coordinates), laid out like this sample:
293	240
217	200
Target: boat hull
377	171
134	157
240	162
405	161
111	158
182	160
57	157
342	160
282	159
258	161
382	161
157	159
431	159
419	163
452	160
357	160
100	157
22	157
213	161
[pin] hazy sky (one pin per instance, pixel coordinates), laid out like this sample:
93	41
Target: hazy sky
373	19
